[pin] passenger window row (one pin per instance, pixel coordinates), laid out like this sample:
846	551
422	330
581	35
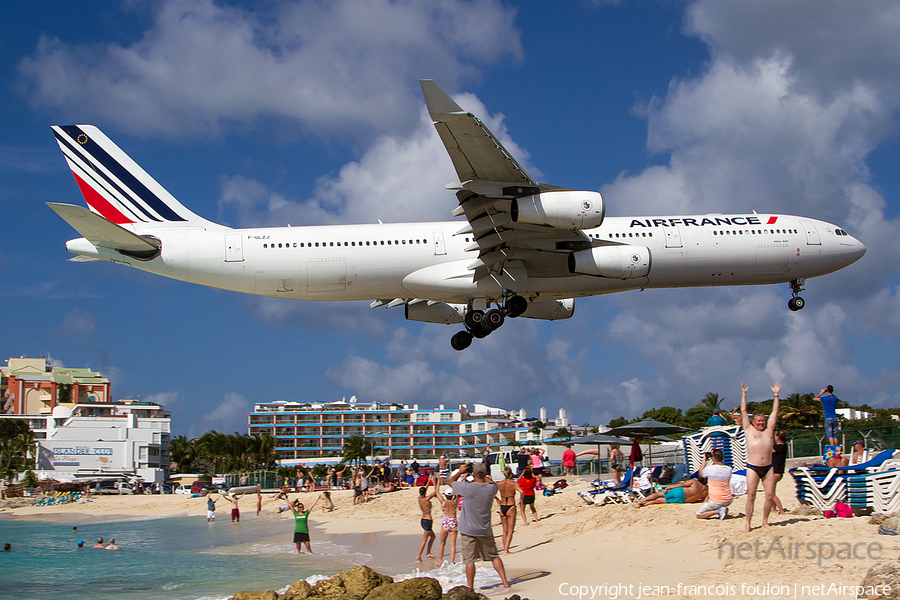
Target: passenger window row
754	231
345	244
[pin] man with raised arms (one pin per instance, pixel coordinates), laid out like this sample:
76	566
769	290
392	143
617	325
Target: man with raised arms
759	435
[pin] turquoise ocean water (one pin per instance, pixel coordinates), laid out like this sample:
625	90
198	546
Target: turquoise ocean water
180	558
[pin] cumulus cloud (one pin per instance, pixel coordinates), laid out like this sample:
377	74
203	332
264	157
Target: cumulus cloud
399	178
78	326
328	66
229	415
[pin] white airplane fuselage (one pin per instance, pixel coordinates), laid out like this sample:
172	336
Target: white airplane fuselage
429	261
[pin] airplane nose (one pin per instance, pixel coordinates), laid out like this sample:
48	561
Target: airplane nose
857	251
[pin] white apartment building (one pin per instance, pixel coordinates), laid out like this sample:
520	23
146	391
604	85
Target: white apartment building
96	438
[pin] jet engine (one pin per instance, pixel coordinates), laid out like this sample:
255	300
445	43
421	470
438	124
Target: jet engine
439	312
565	210
614	262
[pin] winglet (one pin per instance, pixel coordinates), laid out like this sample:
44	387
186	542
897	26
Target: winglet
437	100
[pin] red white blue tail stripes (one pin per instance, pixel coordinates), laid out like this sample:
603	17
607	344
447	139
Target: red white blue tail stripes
113	185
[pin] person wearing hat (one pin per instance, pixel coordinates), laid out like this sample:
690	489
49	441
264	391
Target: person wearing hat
717	420
475	521
449	524
859	453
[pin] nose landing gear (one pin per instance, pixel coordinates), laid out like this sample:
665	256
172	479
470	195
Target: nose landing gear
480	324
796	302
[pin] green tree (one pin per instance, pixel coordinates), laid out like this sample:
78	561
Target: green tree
357	448
797	411
666	414
617	422
712	400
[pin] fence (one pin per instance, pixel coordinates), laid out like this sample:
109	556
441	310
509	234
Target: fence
875	438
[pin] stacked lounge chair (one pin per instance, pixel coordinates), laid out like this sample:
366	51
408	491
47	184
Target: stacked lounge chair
870	485
729	439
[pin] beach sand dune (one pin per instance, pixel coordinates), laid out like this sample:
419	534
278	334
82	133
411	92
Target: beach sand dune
631	551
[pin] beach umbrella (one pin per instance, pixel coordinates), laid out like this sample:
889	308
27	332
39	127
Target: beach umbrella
646	428
601	439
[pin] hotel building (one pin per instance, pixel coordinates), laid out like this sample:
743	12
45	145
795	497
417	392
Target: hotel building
305	431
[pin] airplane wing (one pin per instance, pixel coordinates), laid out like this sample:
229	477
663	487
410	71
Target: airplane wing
489	180
101	232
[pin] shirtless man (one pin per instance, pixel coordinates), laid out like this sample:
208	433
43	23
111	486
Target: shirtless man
760	437
99	544
426	522
112	544
443	471
235	511
506	497
258	499
686	492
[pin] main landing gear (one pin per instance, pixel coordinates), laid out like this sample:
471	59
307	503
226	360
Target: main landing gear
481	324
796	302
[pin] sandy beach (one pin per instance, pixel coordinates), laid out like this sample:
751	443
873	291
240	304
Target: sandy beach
611	551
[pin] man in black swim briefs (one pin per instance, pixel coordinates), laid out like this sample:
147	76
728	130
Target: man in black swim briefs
759	434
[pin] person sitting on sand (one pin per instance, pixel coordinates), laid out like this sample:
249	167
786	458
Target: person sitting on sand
329	504
99	544
686	492
112	544
427	522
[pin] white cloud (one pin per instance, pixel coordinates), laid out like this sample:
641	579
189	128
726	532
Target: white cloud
229	415
331	66
166	399
399	178
78	325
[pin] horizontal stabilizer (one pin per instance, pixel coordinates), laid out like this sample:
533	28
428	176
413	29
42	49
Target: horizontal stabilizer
101	232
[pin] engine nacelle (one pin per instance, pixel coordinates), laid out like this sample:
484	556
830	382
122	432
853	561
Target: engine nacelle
550	310
440	312
614	262
565	210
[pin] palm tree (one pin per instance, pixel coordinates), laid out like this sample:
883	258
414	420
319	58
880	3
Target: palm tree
182	452
799	410
358	449
711	400
16	447
214	447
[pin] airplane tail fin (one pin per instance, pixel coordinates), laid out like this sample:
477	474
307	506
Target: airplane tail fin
115	187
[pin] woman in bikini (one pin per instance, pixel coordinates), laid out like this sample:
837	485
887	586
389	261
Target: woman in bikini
448	524
527	483
506	496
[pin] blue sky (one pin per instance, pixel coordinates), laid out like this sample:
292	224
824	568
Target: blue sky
311	113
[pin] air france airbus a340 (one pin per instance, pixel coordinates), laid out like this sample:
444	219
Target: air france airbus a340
526	249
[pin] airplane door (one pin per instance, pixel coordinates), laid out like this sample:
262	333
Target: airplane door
326	275
234	250
812	235
439	248
673	236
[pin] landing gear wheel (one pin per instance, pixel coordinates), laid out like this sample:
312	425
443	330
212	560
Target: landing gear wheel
474	319
493	319
796	304
515	306
461	340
